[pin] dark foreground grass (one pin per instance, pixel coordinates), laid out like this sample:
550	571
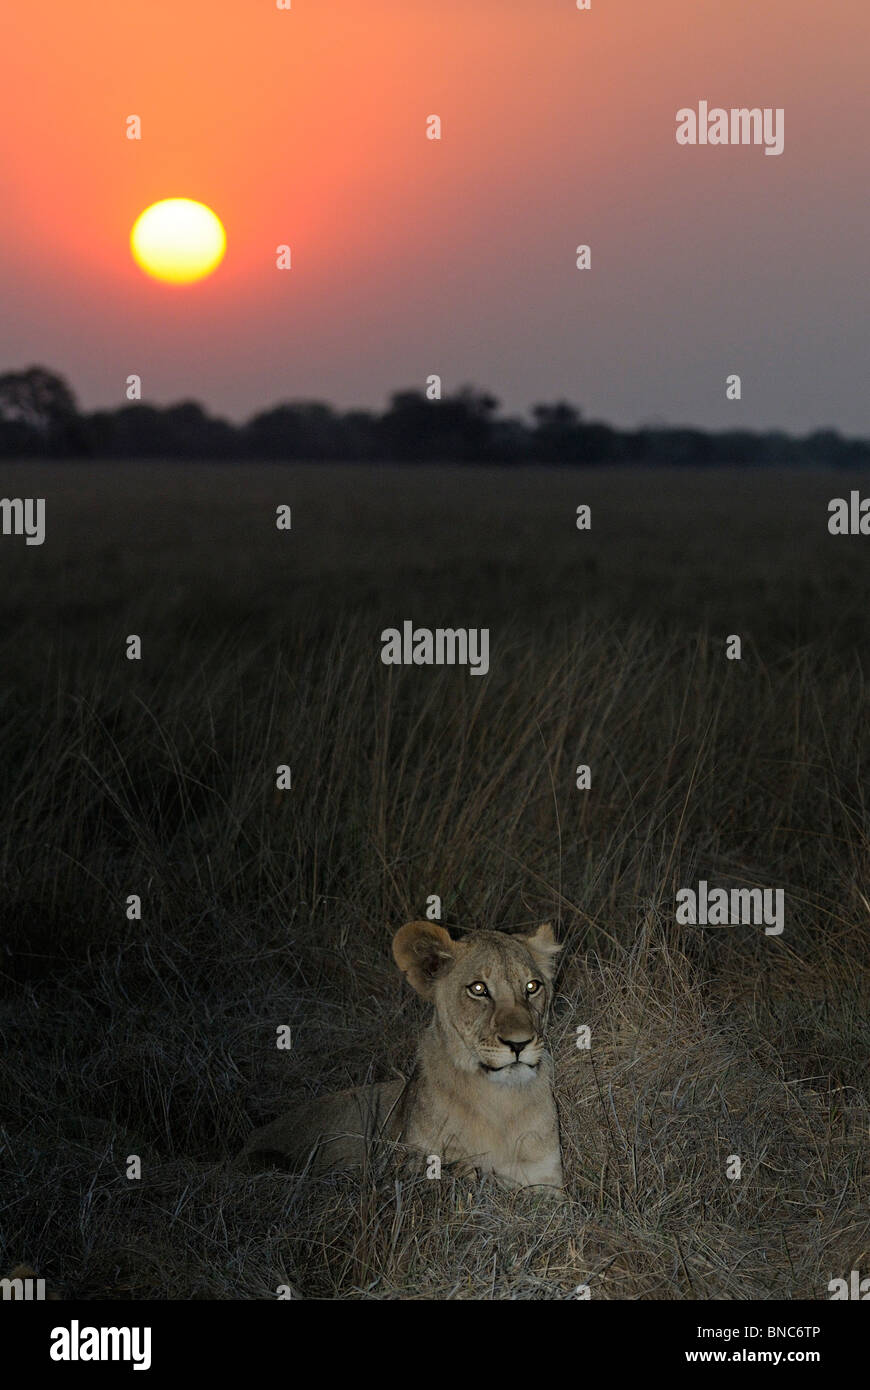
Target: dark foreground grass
157	778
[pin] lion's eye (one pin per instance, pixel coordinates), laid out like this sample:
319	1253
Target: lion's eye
478	989
533	986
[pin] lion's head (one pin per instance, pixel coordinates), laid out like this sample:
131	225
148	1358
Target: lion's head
491	993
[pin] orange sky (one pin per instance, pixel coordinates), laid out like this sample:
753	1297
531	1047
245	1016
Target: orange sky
456	257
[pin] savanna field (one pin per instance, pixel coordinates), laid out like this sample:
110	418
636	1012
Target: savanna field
260	907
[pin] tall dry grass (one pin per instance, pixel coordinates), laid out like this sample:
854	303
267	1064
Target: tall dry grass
157	1037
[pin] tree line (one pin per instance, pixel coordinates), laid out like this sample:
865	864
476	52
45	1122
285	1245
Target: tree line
39	417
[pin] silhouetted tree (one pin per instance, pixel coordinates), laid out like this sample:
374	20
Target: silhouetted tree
296	430
562	436
556	437
146	431
38	415
39	407
457	428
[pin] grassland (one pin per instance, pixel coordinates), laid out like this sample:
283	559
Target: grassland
157	778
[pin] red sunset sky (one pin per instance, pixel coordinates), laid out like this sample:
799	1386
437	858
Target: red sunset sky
411	257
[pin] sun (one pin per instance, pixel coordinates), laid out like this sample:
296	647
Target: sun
178	240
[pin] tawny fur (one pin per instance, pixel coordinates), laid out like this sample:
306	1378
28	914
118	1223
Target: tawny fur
481	1094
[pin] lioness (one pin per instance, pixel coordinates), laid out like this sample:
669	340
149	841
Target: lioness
481	1093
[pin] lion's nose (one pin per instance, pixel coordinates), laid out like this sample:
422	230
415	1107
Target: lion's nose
515	1044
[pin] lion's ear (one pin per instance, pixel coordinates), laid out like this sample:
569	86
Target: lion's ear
544	948
423	951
